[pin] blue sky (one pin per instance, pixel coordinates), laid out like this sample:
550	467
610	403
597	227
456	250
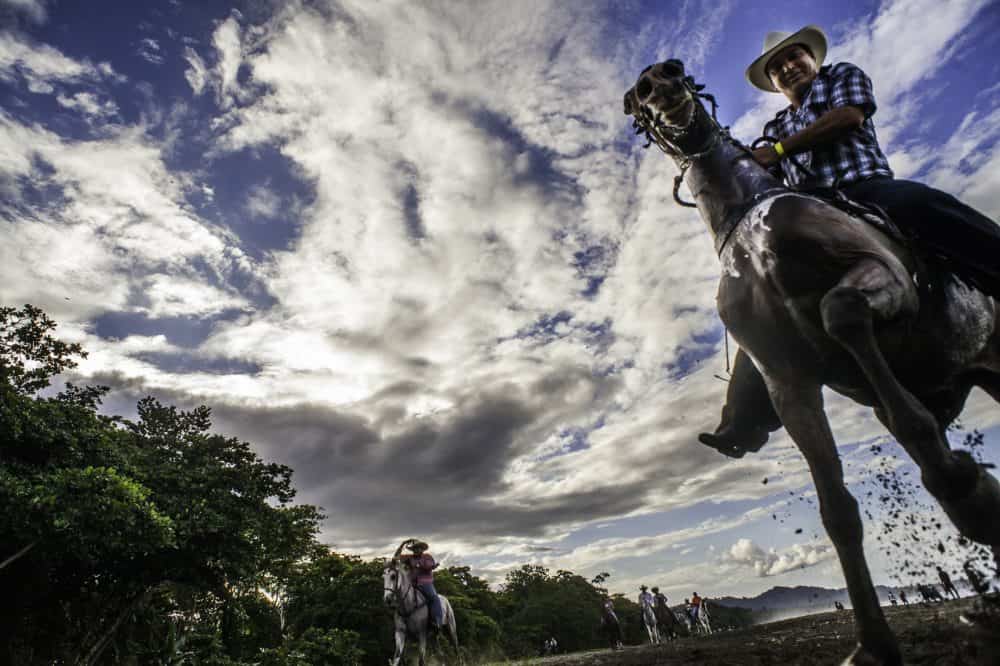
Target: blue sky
413	250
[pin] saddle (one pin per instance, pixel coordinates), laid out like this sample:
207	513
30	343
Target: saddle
867	212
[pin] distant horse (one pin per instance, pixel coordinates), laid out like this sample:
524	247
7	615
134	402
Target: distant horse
668	623
649	619
818	297
929	593
412	617
701	622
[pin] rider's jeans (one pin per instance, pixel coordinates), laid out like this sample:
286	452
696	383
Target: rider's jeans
434	600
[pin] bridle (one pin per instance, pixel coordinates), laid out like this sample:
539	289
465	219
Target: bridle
399	595
683	143
674	140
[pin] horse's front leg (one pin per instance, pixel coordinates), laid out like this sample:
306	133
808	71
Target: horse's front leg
968	494
400	646
423	647
801	411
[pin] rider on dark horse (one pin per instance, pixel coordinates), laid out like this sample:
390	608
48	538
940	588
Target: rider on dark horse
663	613
422	565
609	621
828	129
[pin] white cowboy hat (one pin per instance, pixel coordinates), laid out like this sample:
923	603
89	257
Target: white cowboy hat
811	36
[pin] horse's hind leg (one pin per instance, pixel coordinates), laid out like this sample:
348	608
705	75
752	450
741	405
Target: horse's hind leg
969	495
801	410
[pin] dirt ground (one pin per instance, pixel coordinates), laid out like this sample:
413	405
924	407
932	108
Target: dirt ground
964	632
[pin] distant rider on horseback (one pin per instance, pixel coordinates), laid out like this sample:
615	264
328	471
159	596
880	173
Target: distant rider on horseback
609	621
695	606
828	129
664	615
645	598
422	565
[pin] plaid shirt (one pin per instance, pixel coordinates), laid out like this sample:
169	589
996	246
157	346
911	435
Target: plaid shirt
851	159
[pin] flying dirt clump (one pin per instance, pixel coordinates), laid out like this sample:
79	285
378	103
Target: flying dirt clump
912	532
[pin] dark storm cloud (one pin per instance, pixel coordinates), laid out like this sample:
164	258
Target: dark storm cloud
440	473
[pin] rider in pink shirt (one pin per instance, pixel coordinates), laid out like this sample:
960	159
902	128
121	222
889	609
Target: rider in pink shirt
423	565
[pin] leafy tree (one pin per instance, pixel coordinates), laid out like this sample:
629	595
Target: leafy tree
536	605
476	611
102	514
335	591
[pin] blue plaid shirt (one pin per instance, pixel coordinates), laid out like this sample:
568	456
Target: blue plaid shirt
854	157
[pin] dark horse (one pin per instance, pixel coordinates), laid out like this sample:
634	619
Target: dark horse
818	298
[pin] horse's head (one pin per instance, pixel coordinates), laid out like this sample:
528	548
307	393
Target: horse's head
391	579
663	94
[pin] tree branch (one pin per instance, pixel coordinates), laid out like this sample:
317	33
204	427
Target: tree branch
18	555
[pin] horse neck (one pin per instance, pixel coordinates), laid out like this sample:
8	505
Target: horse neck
404	587
725	182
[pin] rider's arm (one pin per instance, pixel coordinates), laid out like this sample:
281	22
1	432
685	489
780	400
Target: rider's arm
832	126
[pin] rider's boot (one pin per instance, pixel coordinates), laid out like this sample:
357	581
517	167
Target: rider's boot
748	417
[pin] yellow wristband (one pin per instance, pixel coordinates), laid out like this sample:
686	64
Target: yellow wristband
778	148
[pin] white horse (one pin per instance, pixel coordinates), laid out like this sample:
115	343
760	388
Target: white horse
702	622
649	619
412	616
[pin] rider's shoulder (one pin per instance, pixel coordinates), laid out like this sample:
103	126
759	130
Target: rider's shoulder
841	69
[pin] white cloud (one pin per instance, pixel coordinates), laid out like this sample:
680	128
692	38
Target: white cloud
89	104
34	10
149	50
42	65
114	222
173	296
262	202
771	563
196	73
228	47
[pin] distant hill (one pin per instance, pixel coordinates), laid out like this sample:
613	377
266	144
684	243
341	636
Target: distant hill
788	598
781	602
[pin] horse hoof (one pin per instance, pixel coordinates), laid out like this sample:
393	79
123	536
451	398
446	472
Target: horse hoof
974	513
864	657
723	447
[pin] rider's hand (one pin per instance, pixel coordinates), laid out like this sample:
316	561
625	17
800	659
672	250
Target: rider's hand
766	156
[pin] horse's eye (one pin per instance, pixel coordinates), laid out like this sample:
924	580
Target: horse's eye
643	89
